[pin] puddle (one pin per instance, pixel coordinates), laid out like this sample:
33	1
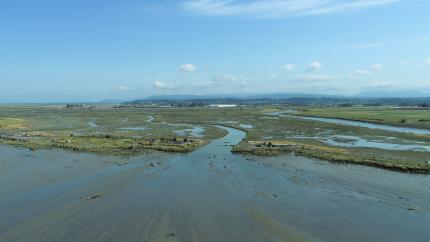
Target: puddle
134	129
196	132
246	126
92	124
354	141
229	122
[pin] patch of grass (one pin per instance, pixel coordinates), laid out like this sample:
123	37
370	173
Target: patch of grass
11	123
372	157
107	144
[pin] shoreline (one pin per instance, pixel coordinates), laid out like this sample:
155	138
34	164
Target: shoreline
332	155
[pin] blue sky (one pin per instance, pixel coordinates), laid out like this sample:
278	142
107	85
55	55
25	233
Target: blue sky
89	50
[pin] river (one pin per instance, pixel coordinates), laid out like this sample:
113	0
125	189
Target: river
206	195
354	123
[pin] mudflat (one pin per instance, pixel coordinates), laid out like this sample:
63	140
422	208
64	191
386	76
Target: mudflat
207	195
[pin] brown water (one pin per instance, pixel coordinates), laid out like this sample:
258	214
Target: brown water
207	195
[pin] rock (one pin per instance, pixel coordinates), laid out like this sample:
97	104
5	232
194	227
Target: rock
412	208
171	235
153	164
92	196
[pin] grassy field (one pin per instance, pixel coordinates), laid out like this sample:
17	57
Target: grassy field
135	130
101	130
11	123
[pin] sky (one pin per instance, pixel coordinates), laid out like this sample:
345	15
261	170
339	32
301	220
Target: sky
89	50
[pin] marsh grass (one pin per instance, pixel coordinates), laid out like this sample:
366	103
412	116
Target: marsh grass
59	127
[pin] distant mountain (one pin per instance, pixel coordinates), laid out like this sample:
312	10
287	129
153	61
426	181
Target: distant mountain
391	94
178	97
275	96
278	96
404	98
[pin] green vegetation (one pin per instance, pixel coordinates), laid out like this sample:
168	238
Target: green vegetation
129	130
397	161
101	130
11	123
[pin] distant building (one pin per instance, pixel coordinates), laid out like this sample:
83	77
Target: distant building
223	105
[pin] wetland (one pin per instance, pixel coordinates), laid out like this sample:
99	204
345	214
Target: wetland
180	180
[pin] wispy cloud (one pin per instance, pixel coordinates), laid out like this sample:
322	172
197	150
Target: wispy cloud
187	67
289	67
362	72
314	66
376	67
123	88
226	77
315	77
164	85
278	8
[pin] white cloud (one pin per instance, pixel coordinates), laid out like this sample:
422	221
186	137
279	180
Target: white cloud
336	6
122	88
313	66
163	85
289	67
362	72
187	68
314	77
376	67
358	73
226	77
277	8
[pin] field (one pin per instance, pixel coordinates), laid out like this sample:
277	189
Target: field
128	130
99	130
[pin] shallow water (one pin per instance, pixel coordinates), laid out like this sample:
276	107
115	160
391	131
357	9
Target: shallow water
207	195
150	119
246	126
134	129
92	124
357	123
360	142
355	141
195	131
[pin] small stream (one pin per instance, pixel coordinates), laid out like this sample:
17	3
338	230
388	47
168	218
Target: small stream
355	123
